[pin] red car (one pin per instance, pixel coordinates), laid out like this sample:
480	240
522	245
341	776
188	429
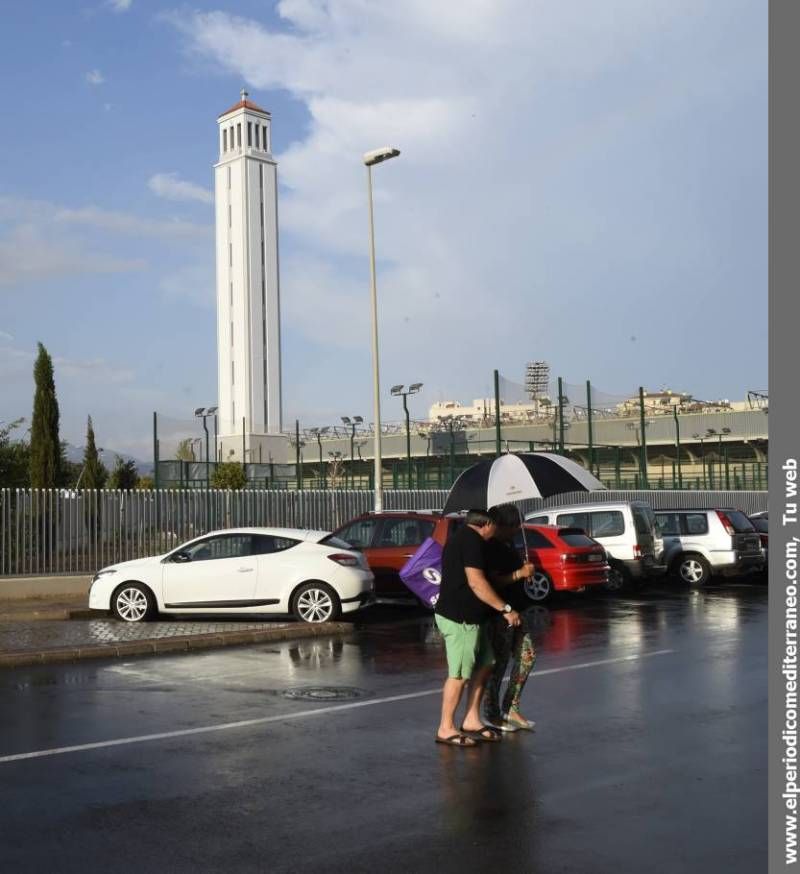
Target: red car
565	558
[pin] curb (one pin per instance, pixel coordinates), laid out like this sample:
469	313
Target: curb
161	645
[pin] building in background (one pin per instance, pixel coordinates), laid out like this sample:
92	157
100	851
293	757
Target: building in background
248	292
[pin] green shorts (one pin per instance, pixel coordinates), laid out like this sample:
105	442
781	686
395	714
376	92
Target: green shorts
468	647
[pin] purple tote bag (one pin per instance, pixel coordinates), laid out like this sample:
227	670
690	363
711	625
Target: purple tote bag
422	573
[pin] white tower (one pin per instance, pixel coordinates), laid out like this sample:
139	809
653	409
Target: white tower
248	299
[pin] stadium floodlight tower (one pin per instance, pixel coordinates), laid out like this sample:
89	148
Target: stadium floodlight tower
537	382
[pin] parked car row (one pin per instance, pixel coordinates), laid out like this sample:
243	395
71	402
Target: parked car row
317	576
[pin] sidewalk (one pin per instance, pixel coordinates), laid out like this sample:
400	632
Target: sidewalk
48	630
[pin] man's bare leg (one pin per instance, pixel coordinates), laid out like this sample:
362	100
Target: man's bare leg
472	719
451	696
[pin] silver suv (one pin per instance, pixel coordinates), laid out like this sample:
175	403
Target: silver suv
699	543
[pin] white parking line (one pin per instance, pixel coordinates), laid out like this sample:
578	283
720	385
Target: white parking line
301	714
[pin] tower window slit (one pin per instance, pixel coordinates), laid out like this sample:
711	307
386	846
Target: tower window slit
264	135
258	128
224	140
239	135
249	133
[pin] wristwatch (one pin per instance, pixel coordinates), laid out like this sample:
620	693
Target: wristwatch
507	608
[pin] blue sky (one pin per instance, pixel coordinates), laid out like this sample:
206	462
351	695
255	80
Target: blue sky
584	183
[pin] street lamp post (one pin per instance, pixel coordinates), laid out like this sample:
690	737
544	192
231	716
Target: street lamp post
397	391
727	464
371	158
351	424
702	457
318	432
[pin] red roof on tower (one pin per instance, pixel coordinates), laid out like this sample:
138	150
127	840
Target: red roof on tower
244	104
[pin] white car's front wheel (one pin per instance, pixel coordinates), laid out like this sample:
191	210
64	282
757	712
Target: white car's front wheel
133	602
316	602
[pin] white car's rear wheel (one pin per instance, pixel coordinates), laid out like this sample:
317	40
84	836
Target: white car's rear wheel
316	602
133	602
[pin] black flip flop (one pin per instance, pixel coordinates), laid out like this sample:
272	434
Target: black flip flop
456	740
487	734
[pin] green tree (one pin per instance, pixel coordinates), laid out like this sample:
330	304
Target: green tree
146	482
94	474
14	458
228	475
45	448
185	450
124	475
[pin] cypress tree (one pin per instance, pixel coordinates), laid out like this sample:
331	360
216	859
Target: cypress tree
45	448
94	471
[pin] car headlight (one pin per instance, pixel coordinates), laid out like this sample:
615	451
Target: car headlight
103	573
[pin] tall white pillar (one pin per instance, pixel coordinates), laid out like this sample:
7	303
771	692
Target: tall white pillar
248	294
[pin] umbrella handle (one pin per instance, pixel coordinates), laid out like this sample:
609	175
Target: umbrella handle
525	557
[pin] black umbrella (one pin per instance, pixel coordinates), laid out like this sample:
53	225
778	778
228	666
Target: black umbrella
513	477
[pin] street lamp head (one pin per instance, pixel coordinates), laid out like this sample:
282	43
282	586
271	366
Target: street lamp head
396	389
325	429
726	430
414	387
199	411
346	420
358	419
211	410
378	155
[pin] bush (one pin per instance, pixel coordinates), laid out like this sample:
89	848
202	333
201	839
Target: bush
229	475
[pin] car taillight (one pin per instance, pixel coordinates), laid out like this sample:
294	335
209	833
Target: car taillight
726	522
570	556
344	559
637	550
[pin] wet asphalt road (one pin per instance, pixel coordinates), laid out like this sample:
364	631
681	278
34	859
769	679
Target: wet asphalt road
649	753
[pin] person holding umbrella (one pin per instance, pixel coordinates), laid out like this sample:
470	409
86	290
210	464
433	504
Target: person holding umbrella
507	573
466	599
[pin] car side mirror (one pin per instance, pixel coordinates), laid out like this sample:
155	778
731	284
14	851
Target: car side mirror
181	557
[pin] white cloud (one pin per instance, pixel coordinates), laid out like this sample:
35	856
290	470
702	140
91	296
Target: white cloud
171	187
43	240
194	283
538	191
95	77
28	254
24	210
120	5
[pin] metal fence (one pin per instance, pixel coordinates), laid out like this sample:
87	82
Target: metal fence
51	531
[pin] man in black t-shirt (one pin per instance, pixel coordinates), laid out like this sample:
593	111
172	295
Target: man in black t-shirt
466	600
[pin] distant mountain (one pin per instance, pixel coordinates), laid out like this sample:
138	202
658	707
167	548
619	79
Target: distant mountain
109	458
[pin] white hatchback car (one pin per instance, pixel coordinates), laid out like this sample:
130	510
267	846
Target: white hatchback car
311	574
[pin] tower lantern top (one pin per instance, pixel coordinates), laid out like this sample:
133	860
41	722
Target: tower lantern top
244	103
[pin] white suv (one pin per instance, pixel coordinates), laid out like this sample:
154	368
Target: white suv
700	543
626	529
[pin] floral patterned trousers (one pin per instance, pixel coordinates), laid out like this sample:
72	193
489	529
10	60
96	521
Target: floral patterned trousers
509	644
